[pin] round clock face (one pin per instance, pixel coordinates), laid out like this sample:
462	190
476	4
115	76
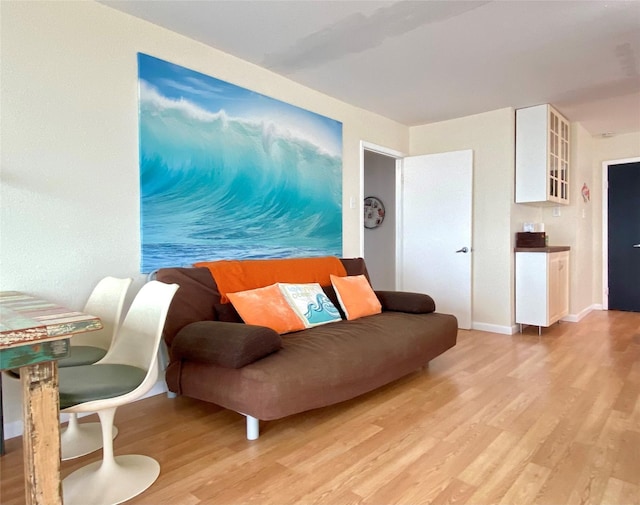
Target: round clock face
373	212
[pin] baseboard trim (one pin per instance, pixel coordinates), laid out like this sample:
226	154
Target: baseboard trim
575	318
494	328
515	328
16	428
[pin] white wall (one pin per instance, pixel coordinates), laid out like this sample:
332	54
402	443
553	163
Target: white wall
69	180
574	225
492	138
380	242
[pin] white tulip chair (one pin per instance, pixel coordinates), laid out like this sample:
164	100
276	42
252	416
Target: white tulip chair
127	372
105	301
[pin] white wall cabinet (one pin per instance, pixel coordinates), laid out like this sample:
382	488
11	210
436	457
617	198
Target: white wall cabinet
542	285
542	156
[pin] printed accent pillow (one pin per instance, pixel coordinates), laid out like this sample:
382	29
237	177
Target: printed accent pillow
311	303
266	307
356	296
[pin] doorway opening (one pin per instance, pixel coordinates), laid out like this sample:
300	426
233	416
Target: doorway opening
380	170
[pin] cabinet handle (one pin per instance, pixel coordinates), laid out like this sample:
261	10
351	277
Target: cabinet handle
636	246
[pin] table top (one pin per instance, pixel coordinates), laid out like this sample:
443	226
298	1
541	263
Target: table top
26	319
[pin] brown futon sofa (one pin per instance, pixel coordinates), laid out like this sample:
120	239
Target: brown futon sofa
215	357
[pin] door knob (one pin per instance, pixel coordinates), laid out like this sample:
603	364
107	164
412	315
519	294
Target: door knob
465	250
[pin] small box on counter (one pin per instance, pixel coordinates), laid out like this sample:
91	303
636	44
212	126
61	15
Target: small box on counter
531	239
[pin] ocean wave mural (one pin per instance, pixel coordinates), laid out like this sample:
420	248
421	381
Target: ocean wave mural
227	173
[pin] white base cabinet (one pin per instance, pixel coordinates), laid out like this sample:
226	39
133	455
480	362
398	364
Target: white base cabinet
542	286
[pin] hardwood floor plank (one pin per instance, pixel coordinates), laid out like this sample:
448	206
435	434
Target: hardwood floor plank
242	483
385	463
596	471
565	474
497	484
434	470
619	492
457	492
490	459
627	398
525	489
627	467
318	452
517	420
507	417
595	420
554	447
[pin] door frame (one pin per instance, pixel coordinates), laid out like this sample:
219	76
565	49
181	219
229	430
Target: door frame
605	225
398	156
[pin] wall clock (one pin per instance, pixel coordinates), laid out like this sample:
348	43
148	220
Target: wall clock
373	212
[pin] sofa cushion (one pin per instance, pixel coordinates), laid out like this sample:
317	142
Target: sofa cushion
355	266
356	296
227	312
327	364
267	307
194	301
404	301
229	345
311	303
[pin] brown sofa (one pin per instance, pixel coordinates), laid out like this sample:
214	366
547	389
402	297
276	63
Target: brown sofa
215	357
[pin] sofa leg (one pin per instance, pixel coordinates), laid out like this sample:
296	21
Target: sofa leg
253	428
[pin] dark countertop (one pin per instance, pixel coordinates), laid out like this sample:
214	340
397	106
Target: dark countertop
547	249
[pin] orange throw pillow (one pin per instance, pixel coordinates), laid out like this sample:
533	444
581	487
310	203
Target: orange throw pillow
356	296
266	307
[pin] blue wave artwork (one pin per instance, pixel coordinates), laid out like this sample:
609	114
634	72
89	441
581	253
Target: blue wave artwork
322	311
227	173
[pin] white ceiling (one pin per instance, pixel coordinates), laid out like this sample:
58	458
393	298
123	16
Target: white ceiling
419	62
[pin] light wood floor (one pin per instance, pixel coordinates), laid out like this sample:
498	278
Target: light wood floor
498	419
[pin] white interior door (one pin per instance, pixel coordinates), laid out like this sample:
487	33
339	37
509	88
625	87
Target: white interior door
436	236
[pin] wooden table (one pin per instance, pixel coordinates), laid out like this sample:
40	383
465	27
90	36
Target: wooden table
34	333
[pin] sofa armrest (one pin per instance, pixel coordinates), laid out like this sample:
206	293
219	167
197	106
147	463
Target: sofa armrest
230	345
402	301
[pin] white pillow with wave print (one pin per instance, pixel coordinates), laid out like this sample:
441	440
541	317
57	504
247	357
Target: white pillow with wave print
310	303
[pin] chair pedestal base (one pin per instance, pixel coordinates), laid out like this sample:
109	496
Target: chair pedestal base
110	482
81	438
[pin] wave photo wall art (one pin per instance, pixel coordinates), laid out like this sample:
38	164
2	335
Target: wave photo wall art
228	173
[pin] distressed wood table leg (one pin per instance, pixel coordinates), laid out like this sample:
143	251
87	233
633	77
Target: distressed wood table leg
41	439
1	420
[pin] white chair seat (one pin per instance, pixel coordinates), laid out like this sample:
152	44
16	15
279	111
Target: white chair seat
80	384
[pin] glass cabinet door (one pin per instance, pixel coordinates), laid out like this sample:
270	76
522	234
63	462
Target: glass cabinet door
558	189
564	161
